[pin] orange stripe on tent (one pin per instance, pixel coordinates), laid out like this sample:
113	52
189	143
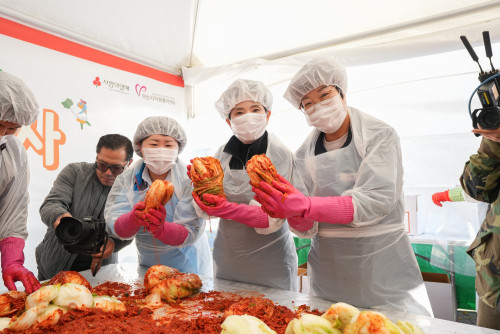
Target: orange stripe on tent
46	40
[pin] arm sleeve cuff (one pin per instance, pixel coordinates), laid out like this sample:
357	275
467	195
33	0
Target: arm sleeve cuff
11	250
456	194
172	234
332	210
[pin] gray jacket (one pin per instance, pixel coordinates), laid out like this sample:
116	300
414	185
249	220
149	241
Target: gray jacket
76	190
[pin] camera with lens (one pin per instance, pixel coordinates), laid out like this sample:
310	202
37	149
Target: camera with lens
487	117
82	236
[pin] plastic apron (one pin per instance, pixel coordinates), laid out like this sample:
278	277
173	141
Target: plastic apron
193	258
14	198
152	251
240	253
368	270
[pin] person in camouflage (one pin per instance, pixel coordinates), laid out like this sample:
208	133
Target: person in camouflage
481	181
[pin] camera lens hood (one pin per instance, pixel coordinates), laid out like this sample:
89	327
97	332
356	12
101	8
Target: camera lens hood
71	231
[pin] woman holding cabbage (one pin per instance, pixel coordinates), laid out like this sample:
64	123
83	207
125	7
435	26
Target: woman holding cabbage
172	234
250	246
351	165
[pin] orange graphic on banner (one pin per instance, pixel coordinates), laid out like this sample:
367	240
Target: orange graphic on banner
47	144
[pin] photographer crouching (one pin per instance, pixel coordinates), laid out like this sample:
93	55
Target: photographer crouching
74	212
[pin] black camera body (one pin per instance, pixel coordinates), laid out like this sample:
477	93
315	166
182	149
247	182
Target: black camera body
81	236
487	117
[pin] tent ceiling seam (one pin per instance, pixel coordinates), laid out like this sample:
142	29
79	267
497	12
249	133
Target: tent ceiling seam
412	81
194	32
81	39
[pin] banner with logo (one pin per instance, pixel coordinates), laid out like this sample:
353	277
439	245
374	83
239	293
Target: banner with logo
80	101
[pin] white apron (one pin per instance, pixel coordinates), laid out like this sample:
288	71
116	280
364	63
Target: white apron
194	255
371	265
240	253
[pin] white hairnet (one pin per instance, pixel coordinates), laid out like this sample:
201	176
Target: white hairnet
243	90
317	72
159	125
17	102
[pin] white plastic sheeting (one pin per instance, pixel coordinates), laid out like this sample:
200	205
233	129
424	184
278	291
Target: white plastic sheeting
199	34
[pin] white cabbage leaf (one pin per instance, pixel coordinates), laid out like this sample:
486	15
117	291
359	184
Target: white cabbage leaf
43	295
245	324
371	322
51	315
311	324
109	304
341	314
28	318
74	296
4	322
408	328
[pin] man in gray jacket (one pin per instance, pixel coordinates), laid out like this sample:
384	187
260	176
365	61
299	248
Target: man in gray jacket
80	190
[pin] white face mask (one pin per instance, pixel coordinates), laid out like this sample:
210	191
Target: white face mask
327	116
160	160
249	127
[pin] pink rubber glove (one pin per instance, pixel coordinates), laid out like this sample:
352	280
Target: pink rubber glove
129	223
443	196
250	215
300	224
285	201
12	265
170	233
156	218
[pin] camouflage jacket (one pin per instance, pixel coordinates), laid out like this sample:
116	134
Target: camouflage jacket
481	181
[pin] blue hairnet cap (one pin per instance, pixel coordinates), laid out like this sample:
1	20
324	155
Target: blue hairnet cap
17	102
243	90
318	72
159	125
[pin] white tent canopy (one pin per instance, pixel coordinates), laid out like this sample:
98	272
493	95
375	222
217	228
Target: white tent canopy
197	35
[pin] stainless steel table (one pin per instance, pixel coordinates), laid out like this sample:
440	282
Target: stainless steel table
130	273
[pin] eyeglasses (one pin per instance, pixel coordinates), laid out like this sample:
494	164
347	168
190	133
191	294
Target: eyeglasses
104	168
324	96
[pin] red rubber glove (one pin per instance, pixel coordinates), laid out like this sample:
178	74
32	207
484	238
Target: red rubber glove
300	224
12	265
283	200
250	215
155	218
443	196
129	223
168	233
